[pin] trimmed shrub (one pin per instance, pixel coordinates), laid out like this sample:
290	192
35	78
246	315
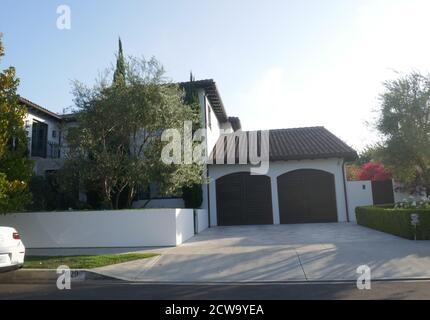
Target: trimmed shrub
395	221
47	196
193	196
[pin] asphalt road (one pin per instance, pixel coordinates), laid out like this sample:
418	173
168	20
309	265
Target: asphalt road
256	291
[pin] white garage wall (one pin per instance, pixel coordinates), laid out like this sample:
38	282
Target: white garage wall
359	194
276	169
110	228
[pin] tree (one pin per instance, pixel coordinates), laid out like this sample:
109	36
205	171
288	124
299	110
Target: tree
404	122
119	74
15	167
368	154
374	171
116	145
193	194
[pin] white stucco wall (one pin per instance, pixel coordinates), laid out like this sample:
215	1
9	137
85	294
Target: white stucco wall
359	194
110	228
202	220
212	134
52	125
212	131
184	225
276	169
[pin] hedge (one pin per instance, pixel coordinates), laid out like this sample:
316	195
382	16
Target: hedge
395	221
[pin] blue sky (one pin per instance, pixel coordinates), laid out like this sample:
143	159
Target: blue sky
277	64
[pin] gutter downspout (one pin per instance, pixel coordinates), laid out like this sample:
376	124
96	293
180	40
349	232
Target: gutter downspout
344	190
207	166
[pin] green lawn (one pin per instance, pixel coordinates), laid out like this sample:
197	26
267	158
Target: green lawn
82	262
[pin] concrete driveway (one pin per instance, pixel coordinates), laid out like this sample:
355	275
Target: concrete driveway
306	252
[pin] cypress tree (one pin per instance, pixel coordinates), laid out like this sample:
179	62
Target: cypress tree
119	75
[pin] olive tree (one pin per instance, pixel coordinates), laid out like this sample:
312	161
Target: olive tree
404	122
116	145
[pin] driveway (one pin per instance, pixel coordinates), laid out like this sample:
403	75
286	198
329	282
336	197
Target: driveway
304	252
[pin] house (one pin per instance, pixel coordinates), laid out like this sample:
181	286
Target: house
44	134
304	181
215	120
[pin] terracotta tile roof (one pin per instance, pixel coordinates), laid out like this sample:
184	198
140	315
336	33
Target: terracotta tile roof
290	144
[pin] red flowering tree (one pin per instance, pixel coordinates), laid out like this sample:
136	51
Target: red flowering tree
374	171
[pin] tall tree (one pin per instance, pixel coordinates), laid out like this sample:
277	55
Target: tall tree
119	74
15	168
404	122
193	194
117	144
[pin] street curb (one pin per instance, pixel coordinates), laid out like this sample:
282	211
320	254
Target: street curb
42	276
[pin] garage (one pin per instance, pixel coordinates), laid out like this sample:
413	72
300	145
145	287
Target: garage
303	180
243	199
307	196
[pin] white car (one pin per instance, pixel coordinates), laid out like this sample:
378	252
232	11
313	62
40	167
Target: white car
12	250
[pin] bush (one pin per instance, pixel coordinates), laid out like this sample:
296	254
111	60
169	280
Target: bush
395	221
193	196
413	203
13	195
47	195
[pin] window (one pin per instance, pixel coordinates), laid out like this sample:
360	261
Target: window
54	133
39	139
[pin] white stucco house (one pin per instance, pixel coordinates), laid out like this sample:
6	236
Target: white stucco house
44	134
305	180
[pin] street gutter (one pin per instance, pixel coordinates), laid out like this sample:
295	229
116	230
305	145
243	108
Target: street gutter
42	276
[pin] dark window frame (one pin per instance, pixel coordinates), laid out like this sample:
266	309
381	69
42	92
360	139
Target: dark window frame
39	139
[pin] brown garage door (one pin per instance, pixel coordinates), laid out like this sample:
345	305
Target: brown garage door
244	199
307	196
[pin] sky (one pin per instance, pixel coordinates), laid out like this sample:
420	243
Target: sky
277	64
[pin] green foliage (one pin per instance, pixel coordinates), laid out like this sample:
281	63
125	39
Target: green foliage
13	195
82	262
15	168
193	196
49	195
405	124
117	145
119	74
43	195
368	154
395	221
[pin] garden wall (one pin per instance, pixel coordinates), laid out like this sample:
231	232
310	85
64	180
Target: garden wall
110	228
202	220
359	194
395	221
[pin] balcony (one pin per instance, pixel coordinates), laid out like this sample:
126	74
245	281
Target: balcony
48	150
